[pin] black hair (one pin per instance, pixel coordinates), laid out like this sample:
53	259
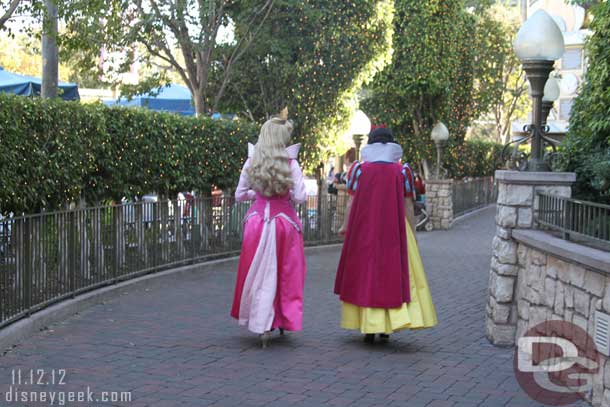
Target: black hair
381	135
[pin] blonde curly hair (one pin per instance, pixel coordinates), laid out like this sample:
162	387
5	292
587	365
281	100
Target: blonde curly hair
269	172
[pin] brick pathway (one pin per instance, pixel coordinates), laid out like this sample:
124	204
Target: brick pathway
172	343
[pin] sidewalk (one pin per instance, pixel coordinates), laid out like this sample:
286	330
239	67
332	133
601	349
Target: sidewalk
174	344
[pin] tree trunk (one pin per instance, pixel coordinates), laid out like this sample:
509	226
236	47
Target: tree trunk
199	102
206	222
50	53
523	10
426	168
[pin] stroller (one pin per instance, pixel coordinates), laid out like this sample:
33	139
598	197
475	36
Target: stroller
422	220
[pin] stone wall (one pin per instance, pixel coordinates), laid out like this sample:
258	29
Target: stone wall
439	203
515	209
537	277
551	288
551	285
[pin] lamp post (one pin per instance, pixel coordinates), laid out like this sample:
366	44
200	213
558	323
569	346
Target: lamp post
538	44
360	126
439	135
551	94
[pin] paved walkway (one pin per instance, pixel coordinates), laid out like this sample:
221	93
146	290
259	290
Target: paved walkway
172	343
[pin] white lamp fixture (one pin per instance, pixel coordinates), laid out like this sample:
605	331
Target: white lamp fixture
439	132
551	90
440	135
361	124
539	39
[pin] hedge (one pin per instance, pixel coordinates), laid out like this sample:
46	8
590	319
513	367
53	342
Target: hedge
55	152
461	158
472	158
586	149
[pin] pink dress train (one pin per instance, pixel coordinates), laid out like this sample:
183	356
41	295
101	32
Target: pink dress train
271	272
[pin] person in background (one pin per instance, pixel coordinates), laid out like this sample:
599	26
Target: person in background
420	188
331	175
348	158
330	182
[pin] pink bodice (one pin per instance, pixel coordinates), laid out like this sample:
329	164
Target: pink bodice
272	207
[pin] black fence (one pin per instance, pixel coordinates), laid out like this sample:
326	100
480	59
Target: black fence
48	257
470	194
581	221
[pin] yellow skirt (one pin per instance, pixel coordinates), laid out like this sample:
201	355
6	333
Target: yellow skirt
417	314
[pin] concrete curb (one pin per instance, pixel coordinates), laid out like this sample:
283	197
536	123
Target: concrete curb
22	329
471	213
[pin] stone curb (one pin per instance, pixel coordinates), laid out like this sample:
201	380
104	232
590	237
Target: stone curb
22	329
535	178
466	215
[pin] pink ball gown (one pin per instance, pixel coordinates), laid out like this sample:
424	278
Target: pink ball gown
271	272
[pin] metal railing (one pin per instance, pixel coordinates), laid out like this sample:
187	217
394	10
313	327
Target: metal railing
48	257
470	194
582	221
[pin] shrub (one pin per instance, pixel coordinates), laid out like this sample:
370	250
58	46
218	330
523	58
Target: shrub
586	149
55	152
472	158
469	158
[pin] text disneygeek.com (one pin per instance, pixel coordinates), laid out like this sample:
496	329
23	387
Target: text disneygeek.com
44	386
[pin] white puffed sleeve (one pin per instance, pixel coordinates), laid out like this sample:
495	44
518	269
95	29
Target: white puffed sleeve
298	193
244	192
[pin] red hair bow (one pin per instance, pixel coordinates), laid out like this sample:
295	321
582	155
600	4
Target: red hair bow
375	127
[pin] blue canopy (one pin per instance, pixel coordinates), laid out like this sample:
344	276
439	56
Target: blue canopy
30	86
171	98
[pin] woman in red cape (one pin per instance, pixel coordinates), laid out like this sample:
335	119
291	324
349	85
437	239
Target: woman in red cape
380	279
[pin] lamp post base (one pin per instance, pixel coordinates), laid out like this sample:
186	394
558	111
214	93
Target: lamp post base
537	165
439	154
358	142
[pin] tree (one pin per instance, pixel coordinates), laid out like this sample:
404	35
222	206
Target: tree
586	149
506	85
50	51
21	53
177	35
431	74
7	8
313	56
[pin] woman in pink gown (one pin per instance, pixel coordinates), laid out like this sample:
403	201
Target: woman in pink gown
271	273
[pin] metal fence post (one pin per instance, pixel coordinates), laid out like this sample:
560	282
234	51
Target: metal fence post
27	262
116	241
567	216
72	284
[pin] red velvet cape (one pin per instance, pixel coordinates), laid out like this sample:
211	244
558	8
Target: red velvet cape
374	269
